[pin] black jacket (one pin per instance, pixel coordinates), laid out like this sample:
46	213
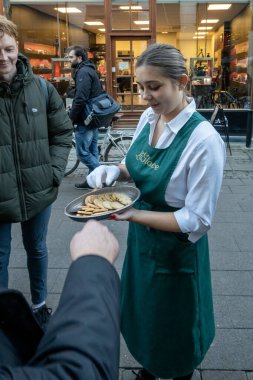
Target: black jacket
87	86
82	338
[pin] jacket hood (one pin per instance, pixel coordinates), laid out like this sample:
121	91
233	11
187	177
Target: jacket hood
87	63
24	69
24	75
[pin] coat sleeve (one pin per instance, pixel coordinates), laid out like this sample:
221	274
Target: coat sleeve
59	133
82	339
82	93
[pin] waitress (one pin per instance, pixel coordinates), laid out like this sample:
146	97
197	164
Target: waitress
176	160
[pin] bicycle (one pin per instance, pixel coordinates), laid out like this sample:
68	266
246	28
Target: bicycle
112	145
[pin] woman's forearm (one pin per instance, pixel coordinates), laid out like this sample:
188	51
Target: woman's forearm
124	174
164	221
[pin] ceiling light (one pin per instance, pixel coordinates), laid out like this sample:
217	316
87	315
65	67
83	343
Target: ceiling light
93	23
209	21
144	28
218	7
205	28
141	22
164	32
198	37
199	33
68	10
132	7
102	29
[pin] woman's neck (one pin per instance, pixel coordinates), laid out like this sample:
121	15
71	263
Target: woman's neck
168	117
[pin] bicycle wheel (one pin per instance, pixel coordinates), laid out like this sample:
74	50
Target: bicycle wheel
117	149
73	161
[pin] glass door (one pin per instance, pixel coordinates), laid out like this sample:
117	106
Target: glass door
125	52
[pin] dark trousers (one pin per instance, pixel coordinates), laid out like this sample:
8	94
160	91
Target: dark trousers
187	377
145	375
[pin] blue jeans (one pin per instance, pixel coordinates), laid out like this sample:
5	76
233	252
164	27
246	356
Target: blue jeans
87	146
34	233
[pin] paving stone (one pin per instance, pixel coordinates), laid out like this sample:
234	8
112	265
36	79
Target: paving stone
58	281
232	283
243	236
221	238
233	260
224	375
246	189
18	258
233	311
235	182
228	202
226	189
231	350
18	279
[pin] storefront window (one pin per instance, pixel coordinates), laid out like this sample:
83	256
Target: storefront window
48	28
132	15
217	45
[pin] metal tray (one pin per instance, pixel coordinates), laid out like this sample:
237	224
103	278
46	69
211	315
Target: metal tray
72	207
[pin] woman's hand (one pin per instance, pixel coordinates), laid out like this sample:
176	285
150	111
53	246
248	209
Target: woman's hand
127	215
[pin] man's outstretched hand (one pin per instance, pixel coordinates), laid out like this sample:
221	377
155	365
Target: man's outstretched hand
94	238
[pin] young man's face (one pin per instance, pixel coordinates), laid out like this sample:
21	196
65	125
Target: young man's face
74	60
8	57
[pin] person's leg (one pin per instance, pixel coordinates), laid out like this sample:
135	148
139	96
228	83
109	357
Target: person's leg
5	250
187	377
34	233
94	147
84	141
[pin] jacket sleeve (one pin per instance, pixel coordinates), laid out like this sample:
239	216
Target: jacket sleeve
82	93
82	339
59	133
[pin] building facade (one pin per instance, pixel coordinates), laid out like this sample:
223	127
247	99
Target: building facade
215	37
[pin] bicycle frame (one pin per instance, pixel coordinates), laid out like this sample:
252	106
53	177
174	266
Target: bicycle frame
108	138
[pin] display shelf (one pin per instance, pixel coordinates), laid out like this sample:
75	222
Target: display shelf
41	71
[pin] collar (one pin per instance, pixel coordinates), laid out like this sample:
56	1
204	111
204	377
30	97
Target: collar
179	121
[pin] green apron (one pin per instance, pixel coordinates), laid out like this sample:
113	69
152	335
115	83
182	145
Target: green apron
166	299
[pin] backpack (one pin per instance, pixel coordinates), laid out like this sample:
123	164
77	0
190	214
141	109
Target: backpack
99	111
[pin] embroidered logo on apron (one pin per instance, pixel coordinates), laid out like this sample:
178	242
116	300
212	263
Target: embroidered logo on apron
144	157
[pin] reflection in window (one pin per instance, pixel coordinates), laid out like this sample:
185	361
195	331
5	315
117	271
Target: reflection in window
215	44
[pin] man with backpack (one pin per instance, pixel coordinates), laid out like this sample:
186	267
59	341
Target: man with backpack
87	86
35	139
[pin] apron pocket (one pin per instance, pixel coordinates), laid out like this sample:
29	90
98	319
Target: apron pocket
174	254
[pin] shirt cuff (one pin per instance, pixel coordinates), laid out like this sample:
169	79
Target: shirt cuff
191	224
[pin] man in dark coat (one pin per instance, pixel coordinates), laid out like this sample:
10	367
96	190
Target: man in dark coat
82	338
87	85
35	139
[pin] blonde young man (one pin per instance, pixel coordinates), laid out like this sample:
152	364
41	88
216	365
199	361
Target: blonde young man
35	138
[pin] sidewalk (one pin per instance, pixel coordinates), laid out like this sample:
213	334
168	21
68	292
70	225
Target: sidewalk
231	248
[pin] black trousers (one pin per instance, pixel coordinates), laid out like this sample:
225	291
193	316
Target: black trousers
187	377
145	375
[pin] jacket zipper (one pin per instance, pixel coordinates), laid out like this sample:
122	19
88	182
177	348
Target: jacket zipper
16	161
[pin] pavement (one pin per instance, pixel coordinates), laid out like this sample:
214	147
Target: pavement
231	249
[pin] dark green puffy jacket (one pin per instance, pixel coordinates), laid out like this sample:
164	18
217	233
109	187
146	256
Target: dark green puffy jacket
35	139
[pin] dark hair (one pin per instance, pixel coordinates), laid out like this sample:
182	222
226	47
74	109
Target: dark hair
79	51
167	58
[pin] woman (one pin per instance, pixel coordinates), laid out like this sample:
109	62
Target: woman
176	160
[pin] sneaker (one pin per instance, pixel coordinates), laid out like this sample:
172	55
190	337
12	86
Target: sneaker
83	185
43	315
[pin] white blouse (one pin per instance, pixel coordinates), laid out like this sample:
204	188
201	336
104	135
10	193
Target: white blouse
195	184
